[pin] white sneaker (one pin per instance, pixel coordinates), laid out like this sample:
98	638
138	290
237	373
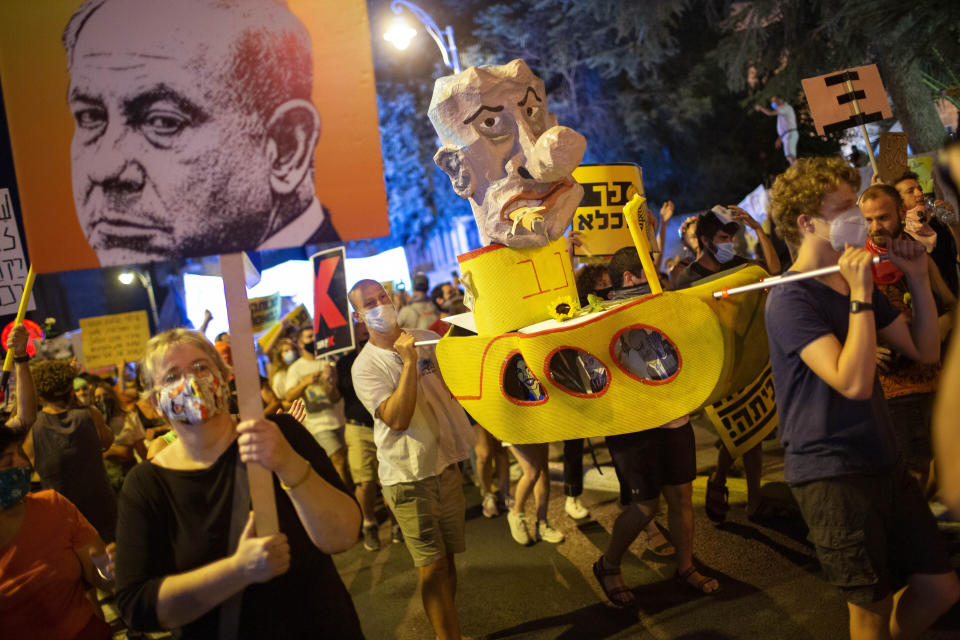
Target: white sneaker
574	509
518	527
547	533
490	509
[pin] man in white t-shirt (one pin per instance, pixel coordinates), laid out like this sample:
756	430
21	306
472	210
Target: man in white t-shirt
315	381
787	135
421	434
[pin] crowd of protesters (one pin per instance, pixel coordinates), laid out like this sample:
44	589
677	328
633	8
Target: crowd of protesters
136	484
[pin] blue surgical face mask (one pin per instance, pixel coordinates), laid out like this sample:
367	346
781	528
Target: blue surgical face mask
773	105
724	252
14	486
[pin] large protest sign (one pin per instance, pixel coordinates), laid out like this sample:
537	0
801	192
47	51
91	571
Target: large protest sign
108	340
264	312
331	309
13	264
846	98
743	419
599	218
146	130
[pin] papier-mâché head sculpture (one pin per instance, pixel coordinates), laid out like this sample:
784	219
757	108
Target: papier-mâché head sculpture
505	153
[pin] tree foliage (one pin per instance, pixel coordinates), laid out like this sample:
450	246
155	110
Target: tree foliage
779	42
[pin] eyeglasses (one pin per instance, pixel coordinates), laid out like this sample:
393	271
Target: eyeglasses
199	368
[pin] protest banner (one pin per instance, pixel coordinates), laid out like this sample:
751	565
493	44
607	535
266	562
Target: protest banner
331	309
599	218
13	264
108	340
743	419
847	98
187	185
298	317
264	312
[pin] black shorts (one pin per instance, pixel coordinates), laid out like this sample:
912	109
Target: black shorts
646	461
911	417
871	532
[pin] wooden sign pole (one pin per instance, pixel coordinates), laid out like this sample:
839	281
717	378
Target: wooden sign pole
247	376
863	128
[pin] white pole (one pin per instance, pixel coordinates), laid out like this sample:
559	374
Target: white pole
775	280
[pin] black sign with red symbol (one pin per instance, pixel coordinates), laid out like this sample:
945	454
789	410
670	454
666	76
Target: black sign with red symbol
331	309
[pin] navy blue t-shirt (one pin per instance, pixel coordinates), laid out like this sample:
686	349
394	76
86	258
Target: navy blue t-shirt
824	434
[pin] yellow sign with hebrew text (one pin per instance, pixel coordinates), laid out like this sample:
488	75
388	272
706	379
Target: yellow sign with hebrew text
109	340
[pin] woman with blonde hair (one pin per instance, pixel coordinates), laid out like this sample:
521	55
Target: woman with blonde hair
188	554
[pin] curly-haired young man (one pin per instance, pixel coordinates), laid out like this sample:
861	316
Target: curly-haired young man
841	458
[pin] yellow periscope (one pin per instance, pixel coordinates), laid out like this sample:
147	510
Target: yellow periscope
615	368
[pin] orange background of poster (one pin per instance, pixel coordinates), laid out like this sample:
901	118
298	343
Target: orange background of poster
33	72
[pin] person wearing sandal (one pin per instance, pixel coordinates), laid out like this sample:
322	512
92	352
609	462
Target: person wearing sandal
648	463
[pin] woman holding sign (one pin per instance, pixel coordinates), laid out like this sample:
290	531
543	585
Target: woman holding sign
188	554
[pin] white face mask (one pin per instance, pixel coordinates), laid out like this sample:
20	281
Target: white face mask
724	252
289	357
382	318
849	227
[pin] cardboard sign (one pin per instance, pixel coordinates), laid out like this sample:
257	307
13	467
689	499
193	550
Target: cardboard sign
141	130
298	317
745	418
836	106
599	218
893	156
331	309
13	265
108	340
264	312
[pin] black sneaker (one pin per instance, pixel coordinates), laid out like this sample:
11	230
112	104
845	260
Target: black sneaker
396	535
371	538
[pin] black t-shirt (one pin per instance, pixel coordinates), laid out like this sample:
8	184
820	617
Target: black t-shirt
172	521
945	255
353	409
696	271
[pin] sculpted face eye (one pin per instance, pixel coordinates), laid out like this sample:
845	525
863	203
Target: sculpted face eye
493	125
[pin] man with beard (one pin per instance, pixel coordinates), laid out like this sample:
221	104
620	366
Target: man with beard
715	250
908	385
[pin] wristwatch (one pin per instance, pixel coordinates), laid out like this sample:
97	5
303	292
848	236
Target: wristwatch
856	306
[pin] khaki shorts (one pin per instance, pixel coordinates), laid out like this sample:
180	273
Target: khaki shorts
331	441
361	453
431	513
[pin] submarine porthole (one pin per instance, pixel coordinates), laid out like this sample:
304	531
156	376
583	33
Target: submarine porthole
518	383
646	354
577	372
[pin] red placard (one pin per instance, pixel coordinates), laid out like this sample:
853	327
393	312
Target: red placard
36	333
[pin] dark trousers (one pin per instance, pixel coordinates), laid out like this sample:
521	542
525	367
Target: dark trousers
573	467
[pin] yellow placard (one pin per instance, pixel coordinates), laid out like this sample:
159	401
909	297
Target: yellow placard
299	317
264	312
743	419
599	218
108	340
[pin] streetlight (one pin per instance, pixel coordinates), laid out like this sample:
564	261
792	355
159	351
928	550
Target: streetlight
127	278
400	33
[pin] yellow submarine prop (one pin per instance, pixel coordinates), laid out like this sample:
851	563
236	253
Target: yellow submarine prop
540	369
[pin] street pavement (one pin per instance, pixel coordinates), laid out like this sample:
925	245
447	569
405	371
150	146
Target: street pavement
771	585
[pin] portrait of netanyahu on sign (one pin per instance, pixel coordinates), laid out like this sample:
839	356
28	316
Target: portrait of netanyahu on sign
194	130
